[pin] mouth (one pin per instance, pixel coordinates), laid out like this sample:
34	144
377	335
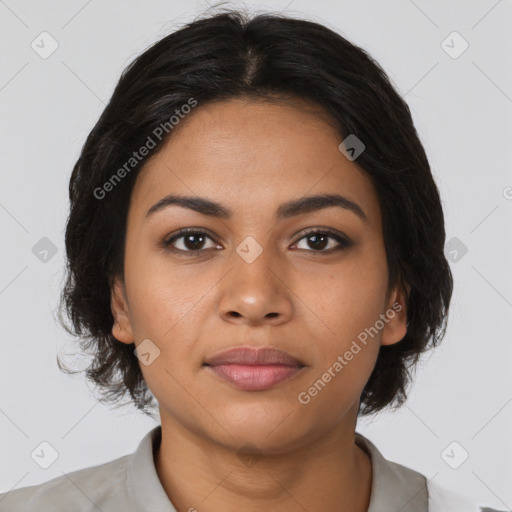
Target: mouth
254	369
255	377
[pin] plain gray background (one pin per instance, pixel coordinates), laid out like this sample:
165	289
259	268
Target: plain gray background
461	105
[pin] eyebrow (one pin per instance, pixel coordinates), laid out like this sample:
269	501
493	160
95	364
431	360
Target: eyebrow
292	208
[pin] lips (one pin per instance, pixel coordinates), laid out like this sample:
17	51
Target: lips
254	369
253	356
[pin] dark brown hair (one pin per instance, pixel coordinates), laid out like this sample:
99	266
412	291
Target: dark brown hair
231	55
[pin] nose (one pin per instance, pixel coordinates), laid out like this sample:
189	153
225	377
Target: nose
256	293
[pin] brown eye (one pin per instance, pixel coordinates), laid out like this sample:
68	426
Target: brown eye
189	241
318	241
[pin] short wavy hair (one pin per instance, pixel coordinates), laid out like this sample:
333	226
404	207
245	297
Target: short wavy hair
228	55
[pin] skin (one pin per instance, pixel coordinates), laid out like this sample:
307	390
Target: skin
251	157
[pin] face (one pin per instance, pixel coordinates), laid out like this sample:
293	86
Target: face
310	281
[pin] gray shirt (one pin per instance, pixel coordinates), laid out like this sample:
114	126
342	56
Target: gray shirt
131	483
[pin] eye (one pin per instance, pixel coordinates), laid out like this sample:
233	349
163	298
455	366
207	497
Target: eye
188	240
194	240
319	240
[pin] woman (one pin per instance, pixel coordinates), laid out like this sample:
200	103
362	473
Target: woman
255	241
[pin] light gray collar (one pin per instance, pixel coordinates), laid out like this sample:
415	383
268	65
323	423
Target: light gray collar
395	488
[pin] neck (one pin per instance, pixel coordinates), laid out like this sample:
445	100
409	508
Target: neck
329	473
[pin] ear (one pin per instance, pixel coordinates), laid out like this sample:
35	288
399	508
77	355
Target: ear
121	329
395	328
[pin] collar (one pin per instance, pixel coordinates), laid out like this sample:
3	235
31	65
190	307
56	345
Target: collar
394	487
144	487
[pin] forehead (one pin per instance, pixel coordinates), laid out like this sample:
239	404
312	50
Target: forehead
247	154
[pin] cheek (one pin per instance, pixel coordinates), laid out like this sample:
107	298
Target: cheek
345	300
160	295
346	345
347	303
164	310
167	305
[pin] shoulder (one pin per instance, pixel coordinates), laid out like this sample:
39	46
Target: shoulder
83	490
441	499
398	487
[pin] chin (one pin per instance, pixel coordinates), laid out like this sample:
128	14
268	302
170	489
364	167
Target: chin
269	433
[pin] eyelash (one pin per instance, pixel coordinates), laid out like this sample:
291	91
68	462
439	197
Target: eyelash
344	242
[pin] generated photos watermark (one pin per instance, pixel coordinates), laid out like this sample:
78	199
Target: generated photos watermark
137	156
304	397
